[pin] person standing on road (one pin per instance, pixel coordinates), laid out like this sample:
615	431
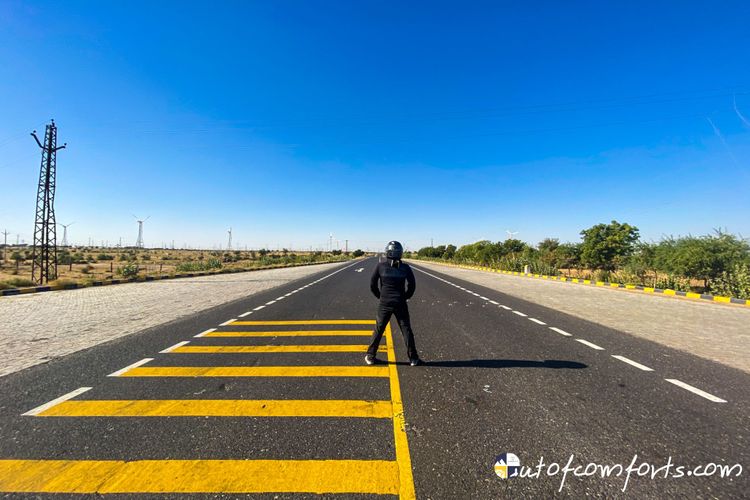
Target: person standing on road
393	283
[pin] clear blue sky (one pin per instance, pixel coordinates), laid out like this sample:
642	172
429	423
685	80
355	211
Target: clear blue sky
289	120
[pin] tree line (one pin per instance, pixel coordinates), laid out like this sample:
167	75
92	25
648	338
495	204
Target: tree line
717	263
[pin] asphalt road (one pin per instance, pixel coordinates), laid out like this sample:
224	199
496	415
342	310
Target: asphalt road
224	413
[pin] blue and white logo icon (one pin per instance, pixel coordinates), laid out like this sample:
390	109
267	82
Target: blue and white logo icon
507	465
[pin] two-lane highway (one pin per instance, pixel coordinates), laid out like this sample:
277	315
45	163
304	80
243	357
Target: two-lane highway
270	396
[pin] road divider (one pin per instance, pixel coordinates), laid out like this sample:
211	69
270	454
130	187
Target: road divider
302	322
220	408
376	477
246	349
294	333
257	371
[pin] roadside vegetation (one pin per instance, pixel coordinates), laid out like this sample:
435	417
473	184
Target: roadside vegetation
717	263
84	265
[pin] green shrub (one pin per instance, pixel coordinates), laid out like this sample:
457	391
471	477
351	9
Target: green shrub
673	282
128	270
104	256
733	283
191	267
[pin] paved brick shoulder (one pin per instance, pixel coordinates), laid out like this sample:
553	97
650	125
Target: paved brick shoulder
717	332
37	327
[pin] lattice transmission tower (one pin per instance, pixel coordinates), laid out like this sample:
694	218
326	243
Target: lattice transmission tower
44	260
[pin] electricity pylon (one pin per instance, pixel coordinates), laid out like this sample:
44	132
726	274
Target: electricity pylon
44	254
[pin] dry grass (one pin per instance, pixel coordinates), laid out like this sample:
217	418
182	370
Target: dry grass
89	264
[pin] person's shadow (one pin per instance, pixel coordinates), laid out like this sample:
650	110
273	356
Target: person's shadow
503	363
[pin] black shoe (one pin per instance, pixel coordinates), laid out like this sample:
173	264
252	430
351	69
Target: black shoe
415	361
370	359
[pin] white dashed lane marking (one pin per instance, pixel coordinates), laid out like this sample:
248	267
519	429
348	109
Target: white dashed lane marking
633	363
591	345
561	332
245	314
178	344
538	322
54	402
519	313
206	332
130	367
254	309
505	307
228	321
695	390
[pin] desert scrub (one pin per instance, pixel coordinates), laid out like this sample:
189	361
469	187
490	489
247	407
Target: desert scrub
18	282
733	283
128	270
673	282
190	267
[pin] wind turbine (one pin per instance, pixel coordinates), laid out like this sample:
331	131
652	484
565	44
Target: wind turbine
511	234
229	245
65	233
139	242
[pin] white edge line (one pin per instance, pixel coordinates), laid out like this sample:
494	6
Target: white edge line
483	297
561	332
505	307
695	390
633	363
537	321
203	334
130	367
593	346
493	302
170	349
54	402
519	313
243	315
228	321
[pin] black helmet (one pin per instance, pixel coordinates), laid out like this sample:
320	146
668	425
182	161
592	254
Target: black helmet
394	250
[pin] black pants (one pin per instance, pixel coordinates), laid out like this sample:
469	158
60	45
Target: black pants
401	310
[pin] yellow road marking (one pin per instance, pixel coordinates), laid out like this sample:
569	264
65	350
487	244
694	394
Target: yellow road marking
200	476
271	348
307	322
295	333
403	458
221	408
258	371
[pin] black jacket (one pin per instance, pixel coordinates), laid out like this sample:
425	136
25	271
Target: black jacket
397	283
